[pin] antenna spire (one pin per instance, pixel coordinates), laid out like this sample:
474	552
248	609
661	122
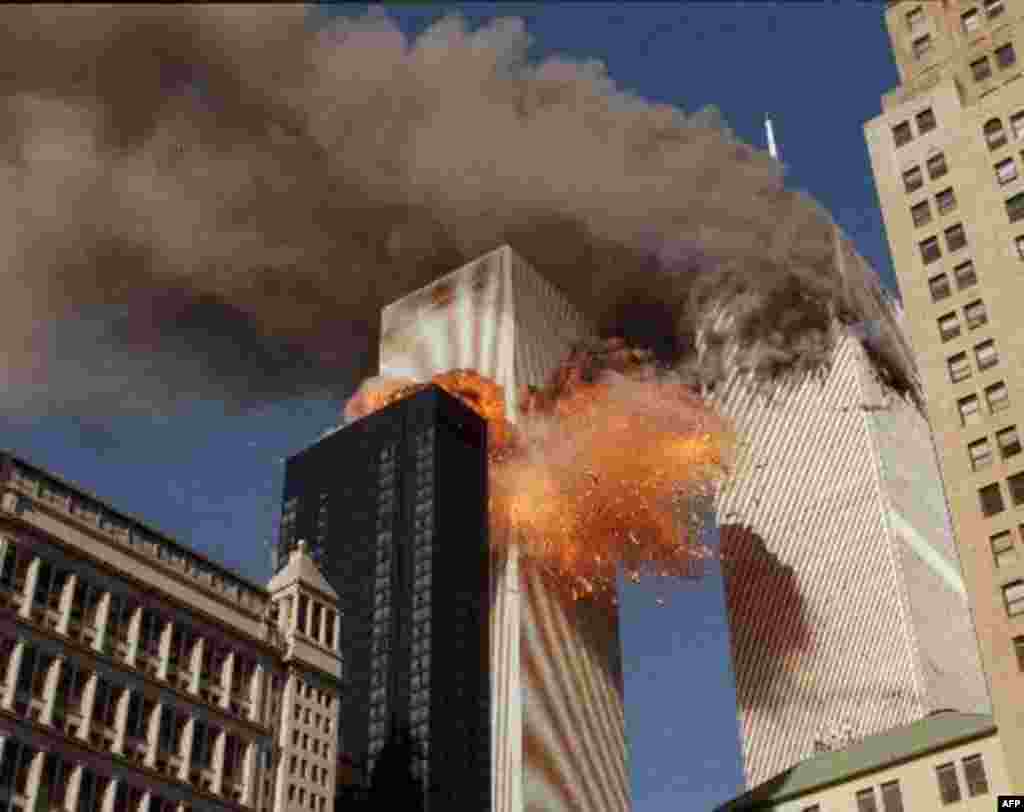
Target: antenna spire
772	149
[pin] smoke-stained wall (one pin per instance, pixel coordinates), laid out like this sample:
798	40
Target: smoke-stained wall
557	690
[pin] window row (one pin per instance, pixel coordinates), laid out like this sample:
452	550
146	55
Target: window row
959	366
997	397
945	202
981	454
975	316
1005	57
974	777
892	798
297	795
956	238
138	538
308	772
307	717
936	166
971	20
318	747
965	276
991	496
925	121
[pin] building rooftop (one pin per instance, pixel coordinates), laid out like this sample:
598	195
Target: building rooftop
86	506
937	731
301	569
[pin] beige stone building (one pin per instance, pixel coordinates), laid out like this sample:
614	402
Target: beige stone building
947	759
948	159
138	676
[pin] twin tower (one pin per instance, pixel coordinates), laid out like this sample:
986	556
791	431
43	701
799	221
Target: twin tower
843	588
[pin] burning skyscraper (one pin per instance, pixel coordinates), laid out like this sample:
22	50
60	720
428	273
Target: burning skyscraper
847	609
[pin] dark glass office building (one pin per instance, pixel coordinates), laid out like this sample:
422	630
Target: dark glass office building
394	509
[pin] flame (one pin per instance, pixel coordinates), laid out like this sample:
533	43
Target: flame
610	465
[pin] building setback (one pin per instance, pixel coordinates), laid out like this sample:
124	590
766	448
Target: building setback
946	156
847	608
135	674
396	507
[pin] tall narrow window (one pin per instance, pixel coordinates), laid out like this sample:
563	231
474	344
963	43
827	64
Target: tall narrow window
956	238
945	201
866	800
939	287
986	355
998	397
949	785
1016	486
970	414
981	70
995	136
980	452
1005	56
1013	595
921	46
1017	125
915	18
901	133
937	165
991	498
970	21
892	798
949	326
926	120
1019	244
1018	647
965	275
1015	207
993	8
921	213
930	251
1009	442
959	367
975	314
1004	553
913	179
1006	171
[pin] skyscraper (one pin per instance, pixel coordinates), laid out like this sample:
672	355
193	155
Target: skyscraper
847	609
557	698
946	154
396	508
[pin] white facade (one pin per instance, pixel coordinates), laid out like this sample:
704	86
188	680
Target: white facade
558	738
847	606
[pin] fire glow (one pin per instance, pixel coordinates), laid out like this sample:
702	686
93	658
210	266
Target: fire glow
610	465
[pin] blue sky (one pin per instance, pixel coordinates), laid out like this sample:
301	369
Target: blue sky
214	479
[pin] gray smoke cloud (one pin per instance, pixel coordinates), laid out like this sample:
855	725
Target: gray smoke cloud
217	201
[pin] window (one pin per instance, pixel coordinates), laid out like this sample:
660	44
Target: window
970	414
892	798
930	250
915	18
901	133
945	201
970	21
1013	595
1015	207
965	275
937	165
1009	442
985	354
995	137
981	69
955	237
993	8
921	213
913	179
939	287
980	452
1006	171
1003	551
1019	242
921	46
866	800
926	119
1018	647
1017	125
959	367
975	315
1016	484
1005	56
949	326
991	500
949	786
998	397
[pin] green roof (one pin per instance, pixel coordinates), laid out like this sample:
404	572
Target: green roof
935	732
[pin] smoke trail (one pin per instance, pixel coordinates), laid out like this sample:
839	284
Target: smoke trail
217	201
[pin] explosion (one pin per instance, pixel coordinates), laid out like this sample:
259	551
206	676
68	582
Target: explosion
610	465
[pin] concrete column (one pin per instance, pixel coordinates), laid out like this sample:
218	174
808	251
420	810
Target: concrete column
74	787
121	720
217	762
31	579
88	706
153	735
109	796
337	631
187	741
250	774
144	803
66	599
198	652
50	689
102	619
134	627
35	774
165	649
257	691
13	667
227	678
